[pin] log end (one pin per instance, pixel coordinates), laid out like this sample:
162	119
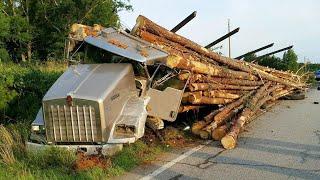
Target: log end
218	134
228	142
196	127
139	24
173	61
204	134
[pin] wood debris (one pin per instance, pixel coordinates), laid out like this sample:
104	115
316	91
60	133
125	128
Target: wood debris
243	89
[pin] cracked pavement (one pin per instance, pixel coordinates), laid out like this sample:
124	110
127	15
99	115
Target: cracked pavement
284	143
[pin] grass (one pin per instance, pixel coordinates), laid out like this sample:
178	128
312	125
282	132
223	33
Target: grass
57	163
133	155
6	146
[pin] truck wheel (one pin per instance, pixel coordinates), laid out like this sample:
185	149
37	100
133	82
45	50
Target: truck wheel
295	96
155	123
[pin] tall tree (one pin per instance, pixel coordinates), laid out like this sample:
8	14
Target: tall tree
273	62
290	60
250	57
4	32
19	33
38	28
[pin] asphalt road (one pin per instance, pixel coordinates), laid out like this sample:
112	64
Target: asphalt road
284	143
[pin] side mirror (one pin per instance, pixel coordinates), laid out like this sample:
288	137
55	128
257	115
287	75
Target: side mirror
141	84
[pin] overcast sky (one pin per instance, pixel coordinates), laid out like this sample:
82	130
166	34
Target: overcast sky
284	22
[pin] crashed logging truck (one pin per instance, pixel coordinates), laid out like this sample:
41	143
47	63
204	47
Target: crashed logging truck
156	75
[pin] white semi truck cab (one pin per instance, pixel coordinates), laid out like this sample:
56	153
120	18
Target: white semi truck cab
99	107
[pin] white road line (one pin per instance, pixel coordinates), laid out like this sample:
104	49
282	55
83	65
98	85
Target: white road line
173	162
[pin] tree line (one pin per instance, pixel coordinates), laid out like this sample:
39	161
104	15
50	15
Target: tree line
37	29
289	61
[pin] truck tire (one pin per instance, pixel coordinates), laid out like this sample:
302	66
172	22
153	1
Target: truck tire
155	123
295	96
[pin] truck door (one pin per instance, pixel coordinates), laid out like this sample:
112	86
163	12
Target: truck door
165	94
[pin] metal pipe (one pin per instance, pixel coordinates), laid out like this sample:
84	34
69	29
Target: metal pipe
222	38
184	22
254	51
274	52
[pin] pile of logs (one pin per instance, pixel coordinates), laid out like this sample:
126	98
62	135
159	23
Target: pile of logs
241	89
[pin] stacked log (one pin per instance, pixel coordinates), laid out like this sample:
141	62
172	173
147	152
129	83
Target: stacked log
242	89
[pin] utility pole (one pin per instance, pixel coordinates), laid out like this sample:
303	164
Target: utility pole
229	39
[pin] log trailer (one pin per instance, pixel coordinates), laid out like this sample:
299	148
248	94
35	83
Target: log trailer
99	107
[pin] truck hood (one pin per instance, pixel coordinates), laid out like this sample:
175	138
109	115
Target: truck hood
88	81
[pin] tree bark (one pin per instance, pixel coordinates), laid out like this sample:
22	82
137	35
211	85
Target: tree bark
260	92
188	108
173	48
229	141
218	94
208	118
197	126
176	61
213	86
221	80
221	117
196	98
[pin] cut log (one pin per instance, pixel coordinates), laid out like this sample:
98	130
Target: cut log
172	47
185	97
214	86
209	118
238	92
282	74
197	126
212	94
176	61
79	31
220	117
188	108
229	141
281	93
184	75
208	79
197	98
257	107
218	133
260	92
219	94
230	115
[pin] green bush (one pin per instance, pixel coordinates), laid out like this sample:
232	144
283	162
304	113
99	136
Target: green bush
4	55
22	87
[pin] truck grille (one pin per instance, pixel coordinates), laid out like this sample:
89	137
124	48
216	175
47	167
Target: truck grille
72	124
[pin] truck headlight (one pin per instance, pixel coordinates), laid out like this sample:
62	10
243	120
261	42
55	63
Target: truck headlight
37	128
